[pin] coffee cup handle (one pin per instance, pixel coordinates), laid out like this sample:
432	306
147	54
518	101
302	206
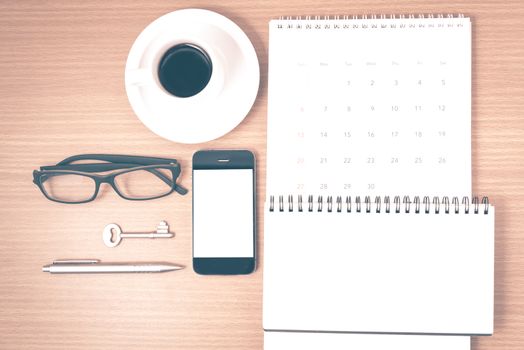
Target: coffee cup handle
139	77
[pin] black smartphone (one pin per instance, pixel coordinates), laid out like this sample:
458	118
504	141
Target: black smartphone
224	212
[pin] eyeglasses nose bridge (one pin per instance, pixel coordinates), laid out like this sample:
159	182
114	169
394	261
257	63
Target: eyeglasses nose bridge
108	180
101	180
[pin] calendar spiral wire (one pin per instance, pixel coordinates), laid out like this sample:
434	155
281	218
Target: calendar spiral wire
333	21
380	204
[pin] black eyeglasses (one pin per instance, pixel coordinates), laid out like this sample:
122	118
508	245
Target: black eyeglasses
133	178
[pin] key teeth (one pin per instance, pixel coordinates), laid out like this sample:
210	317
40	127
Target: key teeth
163	227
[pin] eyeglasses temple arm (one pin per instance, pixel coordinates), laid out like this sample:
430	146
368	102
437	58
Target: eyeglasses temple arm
179	189
90	168
118	158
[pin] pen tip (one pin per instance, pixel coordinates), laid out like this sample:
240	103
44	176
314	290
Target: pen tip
172	267
45	268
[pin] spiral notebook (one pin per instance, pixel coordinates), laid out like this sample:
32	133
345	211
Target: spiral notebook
369	221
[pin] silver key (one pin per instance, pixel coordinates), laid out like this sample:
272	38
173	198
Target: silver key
112	235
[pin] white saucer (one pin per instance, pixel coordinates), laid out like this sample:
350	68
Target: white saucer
221	105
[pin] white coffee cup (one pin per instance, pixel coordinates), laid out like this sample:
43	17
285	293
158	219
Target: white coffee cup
221	104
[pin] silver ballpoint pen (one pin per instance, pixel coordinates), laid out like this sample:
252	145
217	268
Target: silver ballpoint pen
95	266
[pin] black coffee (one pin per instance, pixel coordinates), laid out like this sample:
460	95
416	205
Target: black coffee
185	70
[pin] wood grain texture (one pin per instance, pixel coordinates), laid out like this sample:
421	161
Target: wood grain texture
62	93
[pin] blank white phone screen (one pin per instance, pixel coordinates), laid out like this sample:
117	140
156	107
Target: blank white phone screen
223	213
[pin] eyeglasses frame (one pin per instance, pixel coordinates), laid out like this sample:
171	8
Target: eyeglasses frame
64	167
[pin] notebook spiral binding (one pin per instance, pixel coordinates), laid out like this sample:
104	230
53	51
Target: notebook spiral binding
296	22
426	206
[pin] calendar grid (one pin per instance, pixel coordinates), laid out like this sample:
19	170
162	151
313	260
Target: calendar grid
384	112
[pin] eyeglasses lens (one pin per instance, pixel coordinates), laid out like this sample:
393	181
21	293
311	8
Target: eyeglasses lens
68	187
145	183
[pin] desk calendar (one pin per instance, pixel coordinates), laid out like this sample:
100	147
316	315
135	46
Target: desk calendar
369	185
373	107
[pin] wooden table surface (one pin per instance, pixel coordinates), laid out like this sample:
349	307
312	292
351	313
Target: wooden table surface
62	93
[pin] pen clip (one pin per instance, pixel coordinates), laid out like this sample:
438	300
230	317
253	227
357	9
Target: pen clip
75	261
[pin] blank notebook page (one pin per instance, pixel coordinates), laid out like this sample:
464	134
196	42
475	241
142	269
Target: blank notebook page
338	341
379	272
